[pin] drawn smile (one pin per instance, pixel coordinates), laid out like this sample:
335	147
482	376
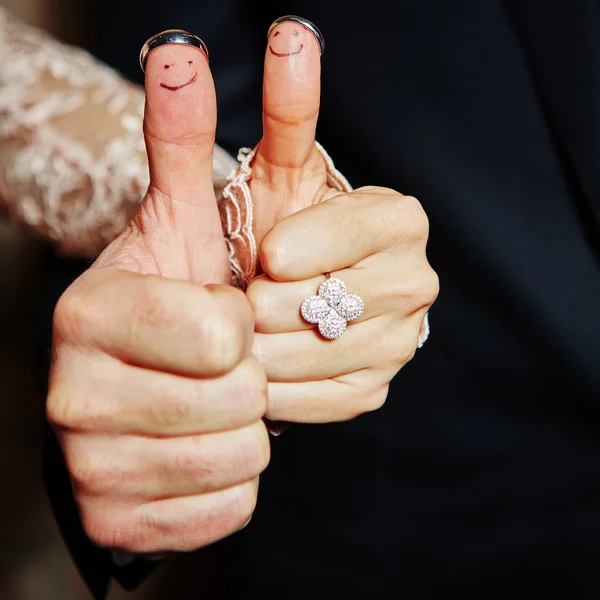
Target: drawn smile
174	88
282	54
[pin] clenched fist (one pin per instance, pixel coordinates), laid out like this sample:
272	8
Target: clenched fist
307	224
162	370
154	394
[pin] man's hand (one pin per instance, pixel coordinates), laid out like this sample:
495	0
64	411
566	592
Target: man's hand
154	394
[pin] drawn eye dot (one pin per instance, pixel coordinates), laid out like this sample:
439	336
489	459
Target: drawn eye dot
167	66
190	62
277	33
296	33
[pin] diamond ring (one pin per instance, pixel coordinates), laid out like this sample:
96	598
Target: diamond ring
332	308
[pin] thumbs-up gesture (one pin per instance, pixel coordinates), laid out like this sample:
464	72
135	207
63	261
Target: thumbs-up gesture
154	394
308	224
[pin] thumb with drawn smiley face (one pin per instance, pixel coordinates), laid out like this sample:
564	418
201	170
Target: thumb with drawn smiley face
163	372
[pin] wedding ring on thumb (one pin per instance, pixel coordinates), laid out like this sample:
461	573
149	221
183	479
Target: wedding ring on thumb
171	36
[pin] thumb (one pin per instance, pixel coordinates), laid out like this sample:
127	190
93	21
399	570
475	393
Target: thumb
291	92
179	130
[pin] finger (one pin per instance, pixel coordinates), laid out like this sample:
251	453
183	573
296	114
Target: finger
156	323
180	122
144	469
306	356
179	128
174	525
291	94
385	282
342	231
324	401
129	400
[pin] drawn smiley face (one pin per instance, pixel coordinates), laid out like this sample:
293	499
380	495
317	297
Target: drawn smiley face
179	73
290	52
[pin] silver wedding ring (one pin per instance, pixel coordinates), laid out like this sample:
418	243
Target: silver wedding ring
171	36
306	24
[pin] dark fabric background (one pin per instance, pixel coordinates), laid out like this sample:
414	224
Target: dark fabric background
480	478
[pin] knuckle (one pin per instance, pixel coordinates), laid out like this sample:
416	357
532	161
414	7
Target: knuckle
415	218
254	388
402	217
87	475
92	468
236	509
226	327
62	410
367	400
245	506
73	316
399	350
406	354
99	527
224	341
80	473
79	397
255	452
275	251
205	524
260	301
430	288
106	528
416	293
420	292
376	399
141	532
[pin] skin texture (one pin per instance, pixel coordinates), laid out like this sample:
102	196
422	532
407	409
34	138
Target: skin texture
152	334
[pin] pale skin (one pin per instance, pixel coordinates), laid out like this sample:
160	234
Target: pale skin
162	372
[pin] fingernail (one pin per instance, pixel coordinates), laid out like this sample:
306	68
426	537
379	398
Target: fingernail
171	37
282	44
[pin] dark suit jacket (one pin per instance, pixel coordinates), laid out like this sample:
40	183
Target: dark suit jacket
480	478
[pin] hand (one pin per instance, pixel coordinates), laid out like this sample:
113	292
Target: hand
154	394
373	239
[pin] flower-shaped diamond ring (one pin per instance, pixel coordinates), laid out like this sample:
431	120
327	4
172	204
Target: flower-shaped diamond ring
332	308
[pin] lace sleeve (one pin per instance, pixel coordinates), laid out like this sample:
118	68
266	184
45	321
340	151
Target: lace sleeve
73	164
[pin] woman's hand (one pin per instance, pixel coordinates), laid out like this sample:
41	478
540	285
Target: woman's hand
373	239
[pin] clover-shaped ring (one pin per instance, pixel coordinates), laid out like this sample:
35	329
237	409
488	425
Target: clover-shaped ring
332	308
